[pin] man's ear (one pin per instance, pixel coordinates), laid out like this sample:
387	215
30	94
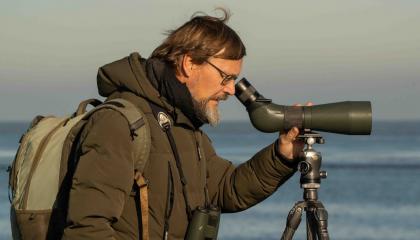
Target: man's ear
187	66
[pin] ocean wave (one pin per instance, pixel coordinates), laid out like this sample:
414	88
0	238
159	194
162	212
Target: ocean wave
349	209
335	156
374	155
346	221
7	153
5	230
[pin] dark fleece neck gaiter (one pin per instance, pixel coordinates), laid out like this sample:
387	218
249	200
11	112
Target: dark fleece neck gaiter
162	76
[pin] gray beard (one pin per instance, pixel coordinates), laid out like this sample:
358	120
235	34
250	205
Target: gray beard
205	113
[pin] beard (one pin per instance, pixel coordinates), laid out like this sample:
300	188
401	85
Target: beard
206	113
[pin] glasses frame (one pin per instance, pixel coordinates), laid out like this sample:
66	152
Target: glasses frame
226	78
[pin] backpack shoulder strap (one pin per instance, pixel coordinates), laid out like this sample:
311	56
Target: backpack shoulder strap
138	124
140	131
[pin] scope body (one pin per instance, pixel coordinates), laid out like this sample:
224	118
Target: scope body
349	117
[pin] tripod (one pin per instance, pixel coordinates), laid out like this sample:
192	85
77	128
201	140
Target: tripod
310	181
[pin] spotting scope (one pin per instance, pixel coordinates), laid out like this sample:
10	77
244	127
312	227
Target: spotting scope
349	117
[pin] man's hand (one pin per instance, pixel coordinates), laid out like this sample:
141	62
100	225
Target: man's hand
289	146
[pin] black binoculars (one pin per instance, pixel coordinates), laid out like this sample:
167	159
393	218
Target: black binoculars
204	224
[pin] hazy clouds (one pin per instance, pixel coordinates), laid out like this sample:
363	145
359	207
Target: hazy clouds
324	51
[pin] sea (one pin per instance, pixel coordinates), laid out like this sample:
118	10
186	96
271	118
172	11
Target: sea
372	190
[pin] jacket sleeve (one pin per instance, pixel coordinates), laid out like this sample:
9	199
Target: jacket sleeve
103	177
235	189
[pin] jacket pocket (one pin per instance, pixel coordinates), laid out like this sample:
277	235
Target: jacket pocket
30	224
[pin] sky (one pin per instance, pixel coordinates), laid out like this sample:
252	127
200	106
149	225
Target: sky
297	51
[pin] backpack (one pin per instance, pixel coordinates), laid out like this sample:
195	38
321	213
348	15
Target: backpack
40	175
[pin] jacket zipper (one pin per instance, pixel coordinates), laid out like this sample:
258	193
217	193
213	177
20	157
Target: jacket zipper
197	145
203	167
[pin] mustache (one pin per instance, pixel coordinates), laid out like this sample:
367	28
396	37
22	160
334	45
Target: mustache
223	97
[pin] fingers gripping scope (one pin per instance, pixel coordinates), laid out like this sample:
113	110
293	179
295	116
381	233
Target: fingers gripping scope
350	117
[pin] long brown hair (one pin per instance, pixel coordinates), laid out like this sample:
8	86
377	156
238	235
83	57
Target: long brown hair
202	37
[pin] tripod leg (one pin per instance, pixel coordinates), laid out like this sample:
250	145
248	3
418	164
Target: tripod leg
293	221
311	225
321	217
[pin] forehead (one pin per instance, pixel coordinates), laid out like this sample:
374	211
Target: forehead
232	67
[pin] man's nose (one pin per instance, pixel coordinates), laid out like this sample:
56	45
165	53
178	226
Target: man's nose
229	88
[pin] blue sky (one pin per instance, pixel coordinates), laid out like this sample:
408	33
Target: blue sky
323	51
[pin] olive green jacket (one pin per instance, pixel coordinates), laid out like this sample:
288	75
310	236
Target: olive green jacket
102	202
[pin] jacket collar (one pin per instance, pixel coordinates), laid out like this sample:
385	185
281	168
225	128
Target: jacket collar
139	70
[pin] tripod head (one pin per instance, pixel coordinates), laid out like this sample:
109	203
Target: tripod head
310	164
310	181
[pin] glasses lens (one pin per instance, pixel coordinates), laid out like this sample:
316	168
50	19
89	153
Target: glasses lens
228	78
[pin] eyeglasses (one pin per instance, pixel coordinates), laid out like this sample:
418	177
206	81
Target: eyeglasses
226	78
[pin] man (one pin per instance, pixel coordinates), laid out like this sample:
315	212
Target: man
187	75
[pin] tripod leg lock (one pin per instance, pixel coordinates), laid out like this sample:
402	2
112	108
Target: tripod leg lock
294	217
293	220
321	216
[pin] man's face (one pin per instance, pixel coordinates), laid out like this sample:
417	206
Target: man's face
207	89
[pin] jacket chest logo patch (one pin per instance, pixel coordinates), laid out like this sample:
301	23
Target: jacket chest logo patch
164	120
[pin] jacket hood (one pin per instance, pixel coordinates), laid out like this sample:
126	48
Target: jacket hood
127	74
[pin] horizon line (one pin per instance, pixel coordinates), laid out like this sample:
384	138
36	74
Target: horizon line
242	120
